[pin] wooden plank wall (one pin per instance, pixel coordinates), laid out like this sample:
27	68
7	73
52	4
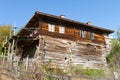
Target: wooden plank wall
82	53
72	34
69	32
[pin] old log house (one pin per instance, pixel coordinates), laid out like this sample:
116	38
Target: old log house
66	41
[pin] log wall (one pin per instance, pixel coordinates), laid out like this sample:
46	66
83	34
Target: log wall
82	53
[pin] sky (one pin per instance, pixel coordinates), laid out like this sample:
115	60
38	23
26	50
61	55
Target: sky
102	13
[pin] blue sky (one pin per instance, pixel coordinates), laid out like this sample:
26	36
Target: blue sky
103	13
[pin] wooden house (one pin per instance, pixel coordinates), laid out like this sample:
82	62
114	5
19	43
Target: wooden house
62	40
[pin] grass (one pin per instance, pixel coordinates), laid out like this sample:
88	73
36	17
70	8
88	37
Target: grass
93	72
75	70
72	70
78	70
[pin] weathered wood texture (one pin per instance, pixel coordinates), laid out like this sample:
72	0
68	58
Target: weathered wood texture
72	33
69	32
76	52
82	53
84	50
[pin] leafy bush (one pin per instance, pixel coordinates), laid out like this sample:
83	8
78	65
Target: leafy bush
4	31
113	58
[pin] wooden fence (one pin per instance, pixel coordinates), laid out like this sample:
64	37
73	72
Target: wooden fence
30	69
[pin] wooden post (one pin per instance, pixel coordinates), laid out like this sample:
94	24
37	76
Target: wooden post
12	48
44	52
10	60
17	71
12	53
27	63
9	49
70	53
3	57
5	47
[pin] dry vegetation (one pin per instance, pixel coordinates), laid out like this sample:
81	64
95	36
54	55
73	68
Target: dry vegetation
40	71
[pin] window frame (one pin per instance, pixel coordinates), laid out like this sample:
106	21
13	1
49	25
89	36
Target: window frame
91	35
61	29
51	27
82	34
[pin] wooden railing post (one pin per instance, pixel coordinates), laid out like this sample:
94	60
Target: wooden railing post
27	63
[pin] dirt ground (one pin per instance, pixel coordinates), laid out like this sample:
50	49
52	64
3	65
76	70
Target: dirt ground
3	75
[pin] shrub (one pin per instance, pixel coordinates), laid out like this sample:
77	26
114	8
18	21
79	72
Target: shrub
113	58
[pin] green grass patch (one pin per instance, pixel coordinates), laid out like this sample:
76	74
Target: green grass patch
74	70
78	70
93	72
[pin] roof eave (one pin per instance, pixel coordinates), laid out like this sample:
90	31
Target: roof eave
37	13
57	17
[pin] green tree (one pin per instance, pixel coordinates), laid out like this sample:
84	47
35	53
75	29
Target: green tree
4	31
118	35
114	57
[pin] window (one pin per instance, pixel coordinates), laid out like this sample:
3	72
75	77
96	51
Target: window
105	34
61	29
51	27
91	35
82	33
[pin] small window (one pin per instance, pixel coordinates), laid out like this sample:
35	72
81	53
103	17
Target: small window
82	33
105	34
91	35
61	29
51	27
